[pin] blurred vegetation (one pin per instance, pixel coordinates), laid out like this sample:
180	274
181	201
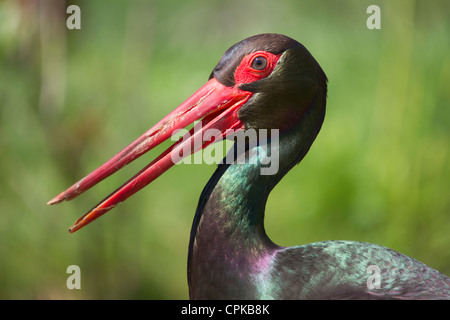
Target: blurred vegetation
69	99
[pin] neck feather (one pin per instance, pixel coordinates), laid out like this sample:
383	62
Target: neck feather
229	250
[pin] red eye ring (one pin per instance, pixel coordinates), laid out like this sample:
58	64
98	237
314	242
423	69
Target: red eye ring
255	66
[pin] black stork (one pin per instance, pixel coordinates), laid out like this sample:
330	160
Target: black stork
268	81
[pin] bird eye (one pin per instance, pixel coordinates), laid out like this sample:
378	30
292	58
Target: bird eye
259	63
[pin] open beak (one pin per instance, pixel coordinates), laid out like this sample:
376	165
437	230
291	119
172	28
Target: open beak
214	104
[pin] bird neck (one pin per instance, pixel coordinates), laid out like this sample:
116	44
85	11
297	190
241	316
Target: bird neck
229	250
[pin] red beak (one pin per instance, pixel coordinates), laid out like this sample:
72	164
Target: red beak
214	104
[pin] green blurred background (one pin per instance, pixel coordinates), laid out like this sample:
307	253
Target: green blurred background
379	170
